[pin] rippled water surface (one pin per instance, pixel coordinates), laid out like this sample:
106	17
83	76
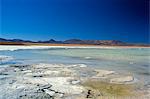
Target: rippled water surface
125	60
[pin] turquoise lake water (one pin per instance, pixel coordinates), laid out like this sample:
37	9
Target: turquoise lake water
135	61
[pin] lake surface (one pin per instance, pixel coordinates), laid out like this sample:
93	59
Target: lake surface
135	61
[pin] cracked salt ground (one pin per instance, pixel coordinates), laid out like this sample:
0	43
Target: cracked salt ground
57	83
40	81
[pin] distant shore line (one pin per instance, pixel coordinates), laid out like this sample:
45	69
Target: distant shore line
73	45
24	47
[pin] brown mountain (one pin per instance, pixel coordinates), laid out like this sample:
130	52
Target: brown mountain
70	41
94	42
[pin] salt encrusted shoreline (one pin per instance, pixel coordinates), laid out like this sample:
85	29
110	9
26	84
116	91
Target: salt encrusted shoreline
13	48
52	80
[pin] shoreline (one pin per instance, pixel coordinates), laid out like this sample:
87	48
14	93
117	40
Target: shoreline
64	81
45	46
87	45
72	45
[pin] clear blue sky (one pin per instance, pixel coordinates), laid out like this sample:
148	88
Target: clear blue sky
125	20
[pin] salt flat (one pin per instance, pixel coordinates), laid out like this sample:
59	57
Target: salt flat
12	47
73	72
52	80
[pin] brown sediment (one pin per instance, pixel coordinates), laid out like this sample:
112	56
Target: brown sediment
92	45
99	88
11	43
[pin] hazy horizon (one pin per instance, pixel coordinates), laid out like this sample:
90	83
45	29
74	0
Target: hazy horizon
71	39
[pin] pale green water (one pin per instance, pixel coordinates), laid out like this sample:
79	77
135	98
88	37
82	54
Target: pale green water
124	60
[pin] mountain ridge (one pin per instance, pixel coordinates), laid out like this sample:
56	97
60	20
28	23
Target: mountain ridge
73	41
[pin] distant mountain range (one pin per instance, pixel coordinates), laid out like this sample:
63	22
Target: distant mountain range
73	41
13	40
94	42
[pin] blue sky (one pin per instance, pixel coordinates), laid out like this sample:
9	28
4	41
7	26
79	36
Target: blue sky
125	20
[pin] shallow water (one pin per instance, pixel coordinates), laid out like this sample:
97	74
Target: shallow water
133	61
